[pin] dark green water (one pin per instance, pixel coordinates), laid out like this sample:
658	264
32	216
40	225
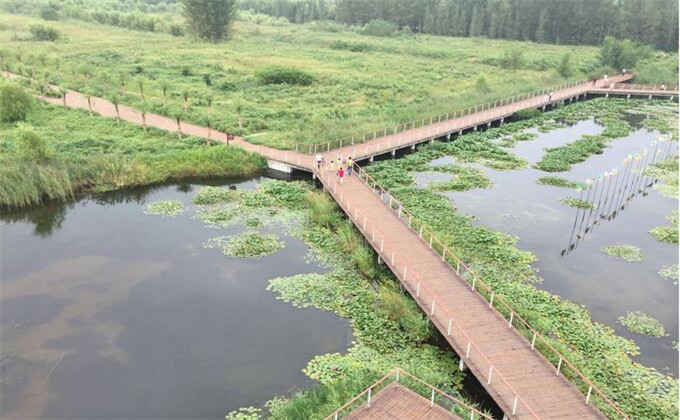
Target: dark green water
107	312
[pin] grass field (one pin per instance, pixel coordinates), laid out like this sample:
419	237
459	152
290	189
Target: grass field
90	153
360	83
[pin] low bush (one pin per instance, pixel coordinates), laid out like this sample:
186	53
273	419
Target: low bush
43	32
282	75
379	27
15	102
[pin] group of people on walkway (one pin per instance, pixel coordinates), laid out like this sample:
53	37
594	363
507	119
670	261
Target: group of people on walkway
340	166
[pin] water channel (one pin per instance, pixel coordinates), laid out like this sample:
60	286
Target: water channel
108	312
569	258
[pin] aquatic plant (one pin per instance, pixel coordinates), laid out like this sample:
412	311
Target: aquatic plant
670	272
245	413
667	173
166	207
557	181
577	203
247	244
628	253
667	233
213	195
640	323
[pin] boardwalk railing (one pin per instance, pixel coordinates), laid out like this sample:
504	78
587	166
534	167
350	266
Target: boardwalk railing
326	146
590	392
405	379
469	351
642	87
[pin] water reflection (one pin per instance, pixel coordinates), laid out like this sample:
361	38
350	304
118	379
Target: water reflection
579	271
110	313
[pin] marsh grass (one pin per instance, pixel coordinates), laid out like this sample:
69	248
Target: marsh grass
640	323
352	92
98	154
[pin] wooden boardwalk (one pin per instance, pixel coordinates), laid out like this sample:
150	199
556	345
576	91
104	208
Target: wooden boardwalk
518	378
522	382
396	402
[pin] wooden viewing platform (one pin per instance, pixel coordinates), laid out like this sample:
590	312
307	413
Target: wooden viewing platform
519	368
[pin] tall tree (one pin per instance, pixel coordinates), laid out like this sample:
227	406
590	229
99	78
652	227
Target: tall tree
209	20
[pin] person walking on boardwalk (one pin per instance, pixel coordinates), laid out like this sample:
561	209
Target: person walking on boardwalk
341	173
318	160
550	96
350	164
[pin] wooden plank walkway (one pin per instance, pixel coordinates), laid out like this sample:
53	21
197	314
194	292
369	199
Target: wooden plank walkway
520	380
395	402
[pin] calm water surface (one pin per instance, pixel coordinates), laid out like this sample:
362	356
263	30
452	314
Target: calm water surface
110	313
569	258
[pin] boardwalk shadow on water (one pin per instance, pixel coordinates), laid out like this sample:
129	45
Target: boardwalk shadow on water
111	313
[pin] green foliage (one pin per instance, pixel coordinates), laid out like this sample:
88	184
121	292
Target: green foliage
209	20
513	59
379	27
247	245
628	253
556	181
622	54
565	67
667	173
165	208
15	102
640	323
559	159
43	32
350	46
276	75
577	203
33	147
526	114
365	260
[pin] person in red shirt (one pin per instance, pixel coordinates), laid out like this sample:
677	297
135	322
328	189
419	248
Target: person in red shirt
341	173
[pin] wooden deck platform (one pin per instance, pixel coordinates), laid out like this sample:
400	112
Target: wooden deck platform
396	402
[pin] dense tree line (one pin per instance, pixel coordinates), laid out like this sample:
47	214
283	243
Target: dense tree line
652	22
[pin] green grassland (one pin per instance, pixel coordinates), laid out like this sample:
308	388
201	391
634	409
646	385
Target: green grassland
358	82
90	153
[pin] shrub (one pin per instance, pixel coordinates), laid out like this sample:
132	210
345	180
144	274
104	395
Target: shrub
322	209
565	67
350	46
527	114
380	27
365	261
513	59
481	84
44	33
32	146
279	75
15	102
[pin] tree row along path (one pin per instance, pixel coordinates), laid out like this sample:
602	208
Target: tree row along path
521	381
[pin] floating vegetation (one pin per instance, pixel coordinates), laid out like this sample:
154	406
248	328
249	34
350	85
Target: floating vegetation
577	203
245	413
670	272
640	323
558	181
667	233
550	125
464	178
511	141
165	208
667	173
629	253
214	195
247	244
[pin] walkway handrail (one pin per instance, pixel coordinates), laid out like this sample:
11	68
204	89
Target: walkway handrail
419	294
646	87
326	146
493	299
397	375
